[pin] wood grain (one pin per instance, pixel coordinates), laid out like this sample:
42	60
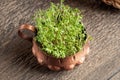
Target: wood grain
102	23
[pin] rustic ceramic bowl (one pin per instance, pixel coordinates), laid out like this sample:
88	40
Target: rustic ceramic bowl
51	62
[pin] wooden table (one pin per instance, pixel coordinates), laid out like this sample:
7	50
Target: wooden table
102	23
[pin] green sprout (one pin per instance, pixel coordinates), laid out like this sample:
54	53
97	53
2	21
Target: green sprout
60	31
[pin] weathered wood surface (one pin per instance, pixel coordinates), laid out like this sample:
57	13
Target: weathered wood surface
18	63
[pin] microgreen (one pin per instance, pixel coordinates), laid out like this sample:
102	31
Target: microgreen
60	30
